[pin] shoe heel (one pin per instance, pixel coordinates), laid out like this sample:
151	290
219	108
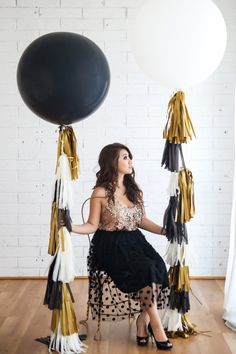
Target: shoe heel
151	334
141	341
165	345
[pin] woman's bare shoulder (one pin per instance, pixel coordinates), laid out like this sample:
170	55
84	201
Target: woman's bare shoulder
99	192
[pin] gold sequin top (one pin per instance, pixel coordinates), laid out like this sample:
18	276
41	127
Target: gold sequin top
117	216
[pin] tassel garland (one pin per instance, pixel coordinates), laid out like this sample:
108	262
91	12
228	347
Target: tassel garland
64	330
64	336
181	208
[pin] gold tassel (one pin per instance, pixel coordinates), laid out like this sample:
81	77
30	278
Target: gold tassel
188	326
179	127
62	239
175	334
189	329
186	195
179	278
65	316
53	238
67	144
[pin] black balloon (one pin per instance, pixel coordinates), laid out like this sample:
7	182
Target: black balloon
63	77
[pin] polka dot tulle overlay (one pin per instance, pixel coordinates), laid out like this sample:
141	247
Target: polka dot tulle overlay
110	304
126	275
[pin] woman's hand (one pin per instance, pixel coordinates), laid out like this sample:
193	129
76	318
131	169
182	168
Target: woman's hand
151	226
62	223
64	219
94	215
163	231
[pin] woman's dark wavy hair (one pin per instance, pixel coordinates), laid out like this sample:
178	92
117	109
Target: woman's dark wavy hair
107	176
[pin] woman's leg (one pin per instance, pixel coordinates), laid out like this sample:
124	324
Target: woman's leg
142	323
150	312
156	324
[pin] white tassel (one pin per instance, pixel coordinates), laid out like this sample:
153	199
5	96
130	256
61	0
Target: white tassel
67	271
171	255
171	320
64	183
66	344
175	253
64	269
173	184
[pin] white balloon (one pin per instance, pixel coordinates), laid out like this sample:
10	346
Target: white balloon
178	42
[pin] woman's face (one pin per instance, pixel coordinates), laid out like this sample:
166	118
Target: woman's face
124	163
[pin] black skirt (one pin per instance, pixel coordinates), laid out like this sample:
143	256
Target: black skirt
126	275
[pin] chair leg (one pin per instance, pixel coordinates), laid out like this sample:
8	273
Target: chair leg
98	335
85	321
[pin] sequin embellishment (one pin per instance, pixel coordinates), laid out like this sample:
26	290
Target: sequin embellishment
117	216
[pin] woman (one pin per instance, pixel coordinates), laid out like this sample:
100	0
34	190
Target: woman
127	275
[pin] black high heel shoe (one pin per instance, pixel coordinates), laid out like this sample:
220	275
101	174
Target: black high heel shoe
141	341
164	345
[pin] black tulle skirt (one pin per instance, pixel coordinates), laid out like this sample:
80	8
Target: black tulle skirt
126	275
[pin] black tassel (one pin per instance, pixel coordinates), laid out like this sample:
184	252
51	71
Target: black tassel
182	234
53	294
59	191
175	231
170	157
169	219
71	295
179	301
55	193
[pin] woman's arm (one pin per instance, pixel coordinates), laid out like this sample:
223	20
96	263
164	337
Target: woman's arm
149	225
94	214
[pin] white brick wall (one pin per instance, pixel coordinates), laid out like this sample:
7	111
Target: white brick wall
134	113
